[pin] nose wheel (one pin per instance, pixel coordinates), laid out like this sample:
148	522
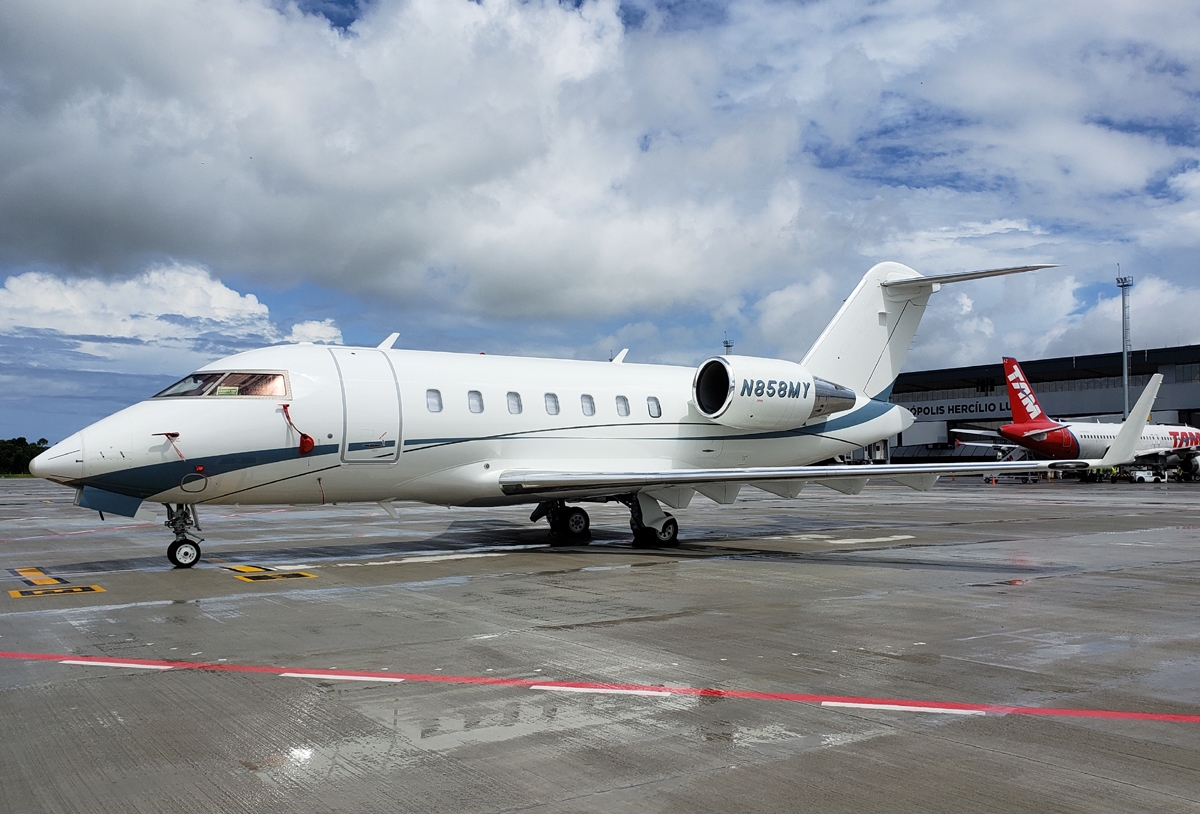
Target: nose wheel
183	553
181	519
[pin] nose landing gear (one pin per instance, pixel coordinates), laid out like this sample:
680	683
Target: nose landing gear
185	550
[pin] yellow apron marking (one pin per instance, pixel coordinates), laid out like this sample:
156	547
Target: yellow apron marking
246	569
72	589
265	577
35	576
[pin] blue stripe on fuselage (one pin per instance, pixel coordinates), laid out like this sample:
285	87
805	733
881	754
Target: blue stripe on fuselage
144	481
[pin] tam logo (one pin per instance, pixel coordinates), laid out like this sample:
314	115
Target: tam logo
775	388
1024	393
1183	438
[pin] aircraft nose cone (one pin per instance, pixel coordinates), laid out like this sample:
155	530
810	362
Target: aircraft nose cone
63	462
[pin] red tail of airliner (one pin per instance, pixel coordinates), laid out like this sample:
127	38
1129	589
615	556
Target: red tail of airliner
1025	408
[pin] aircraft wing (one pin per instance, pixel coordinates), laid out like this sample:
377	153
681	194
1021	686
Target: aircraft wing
787	481
782	480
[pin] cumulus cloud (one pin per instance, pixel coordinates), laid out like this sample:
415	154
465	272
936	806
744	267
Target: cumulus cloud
604	165
162	320
314	331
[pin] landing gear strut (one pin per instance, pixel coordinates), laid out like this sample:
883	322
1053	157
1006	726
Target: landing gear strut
569	525
646	536
185	551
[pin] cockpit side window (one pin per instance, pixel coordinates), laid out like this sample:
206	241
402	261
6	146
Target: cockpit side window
223	384
252	384
195	385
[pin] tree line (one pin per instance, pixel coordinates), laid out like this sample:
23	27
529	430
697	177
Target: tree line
16	453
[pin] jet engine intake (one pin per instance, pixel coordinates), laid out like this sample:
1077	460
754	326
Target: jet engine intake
751	393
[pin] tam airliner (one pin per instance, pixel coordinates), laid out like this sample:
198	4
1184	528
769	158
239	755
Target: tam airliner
314	424
1161	444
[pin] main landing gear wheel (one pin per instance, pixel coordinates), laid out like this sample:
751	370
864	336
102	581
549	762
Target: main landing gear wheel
183	553
569	525
647	537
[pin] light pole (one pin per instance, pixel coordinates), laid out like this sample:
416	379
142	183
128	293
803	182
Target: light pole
1125	283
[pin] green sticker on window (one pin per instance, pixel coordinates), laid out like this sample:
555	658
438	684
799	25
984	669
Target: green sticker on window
227	391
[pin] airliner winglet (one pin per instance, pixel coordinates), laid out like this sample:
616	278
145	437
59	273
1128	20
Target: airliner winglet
1124	448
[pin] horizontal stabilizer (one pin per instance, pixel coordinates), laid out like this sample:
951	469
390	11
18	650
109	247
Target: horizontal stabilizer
960	277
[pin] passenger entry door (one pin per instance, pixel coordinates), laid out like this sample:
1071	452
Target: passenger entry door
370	406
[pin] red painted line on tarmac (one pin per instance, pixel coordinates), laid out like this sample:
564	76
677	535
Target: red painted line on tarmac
707	692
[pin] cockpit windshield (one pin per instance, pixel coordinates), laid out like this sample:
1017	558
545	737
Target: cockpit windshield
252	384
221	384
195	385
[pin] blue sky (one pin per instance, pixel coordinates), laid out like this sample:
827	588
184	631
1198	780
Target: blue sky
182	180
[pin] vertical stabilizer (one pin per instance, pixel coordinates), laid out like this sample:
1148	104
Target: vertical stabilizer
1025	406
865	345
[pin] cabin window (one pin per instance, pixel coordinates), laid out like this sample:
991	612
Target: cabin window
654	407
551	404
588	404
195	385
433	400
475	401
514	403
622	406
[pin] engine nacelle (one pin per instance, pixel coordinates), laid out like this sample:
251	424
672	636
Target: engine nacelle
749	393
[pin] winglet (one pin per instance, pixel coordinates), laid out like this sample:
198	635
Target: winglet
387	343
1124	447
620	357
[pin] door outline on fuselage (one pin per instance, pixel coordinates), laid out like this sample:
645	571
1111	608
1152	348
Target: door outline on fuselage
390	384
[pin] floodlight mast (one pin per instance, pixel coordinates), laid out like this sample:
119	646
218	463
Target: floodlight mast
1125	283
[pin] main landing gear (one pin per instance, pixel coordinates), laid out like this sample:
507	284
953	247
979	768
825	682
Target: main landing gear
185	551
569	525
651	526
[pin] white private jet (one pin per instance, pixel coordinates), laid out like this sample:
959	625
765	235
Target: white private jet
312	424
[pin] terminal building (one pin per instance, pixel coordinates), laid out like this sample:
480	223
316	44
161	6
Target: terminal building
1078	388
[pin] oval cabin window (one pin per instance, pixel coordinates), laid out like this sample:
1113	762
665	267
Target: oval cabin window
433	400
654	407
514	403
588	404
551	404
622	406
475	401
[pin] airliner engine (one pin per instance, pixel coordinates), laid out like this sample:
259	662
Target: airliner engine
750	393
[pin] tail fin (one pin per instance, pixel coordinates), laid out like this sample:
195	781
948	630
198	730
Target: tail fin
1025	406
865	345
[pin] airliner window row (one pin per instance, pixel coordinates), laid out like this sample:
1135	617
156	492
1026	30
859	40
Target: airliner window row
587	404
